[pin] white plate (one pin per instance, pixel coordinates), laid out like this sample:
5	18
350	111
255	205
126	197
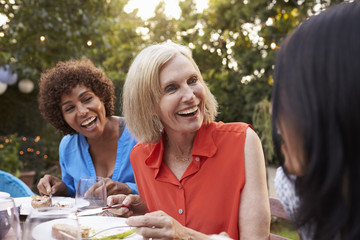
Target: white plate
4	195
97	223
26	203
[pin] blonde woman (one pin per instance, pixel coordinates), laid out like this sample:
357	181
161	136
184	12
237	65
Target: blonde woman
195	176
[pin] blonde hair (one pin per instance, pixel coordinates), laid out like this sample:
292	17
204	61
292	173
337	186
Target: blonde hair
142	92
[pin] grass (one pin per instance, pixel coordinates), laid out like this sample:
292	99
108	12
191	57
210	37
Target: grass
283	228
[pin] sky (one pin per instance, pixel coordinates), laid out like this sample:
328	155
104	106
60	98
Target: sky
147	7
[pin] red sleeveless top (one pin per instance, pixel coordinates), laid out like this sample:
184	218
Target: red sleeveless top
207	197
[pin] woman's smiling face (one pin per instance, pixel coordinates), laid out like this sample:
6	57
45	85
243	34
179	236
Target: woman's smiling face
181	105
84	111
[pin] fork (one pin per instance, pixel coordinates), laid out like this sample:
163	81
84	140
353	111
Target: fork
119	235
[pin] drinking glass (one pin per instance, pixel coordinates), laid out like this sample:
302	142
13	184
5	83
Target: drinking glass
9	220
45	223
92	191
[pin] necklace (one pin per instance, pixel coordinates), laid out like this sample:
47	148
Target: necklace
182	158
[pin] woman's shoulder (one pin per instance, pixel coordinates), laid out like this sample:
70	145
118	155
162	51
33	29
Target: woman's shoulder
69	141
144	147
230	127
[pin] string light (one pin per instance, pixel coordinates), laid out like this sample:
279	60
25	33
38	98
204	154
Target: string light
273	45
89	43
2	34
42	39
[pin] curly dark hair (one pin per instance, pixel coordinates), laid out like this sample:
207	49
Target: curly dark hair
65	76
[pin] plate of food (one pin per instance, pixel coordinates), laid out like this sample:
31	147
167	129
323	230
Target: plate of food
36	201
89	225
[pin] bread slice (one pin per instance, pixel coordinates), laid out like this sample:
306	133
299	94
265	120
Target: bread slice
64	232
85	231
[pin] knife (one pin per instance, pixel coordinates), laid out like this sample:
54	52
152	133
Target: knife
94	211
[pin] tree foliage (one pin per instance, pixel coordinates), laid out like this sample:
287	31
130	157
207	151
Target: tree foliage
230	42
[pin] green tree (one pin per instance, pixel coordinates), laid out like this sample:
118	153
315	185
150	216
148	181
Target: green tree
240	34
9	147
40	33
96	29
161	27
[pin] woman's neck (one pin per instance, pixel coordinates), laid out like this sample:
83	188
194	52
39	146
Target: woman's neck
111	131
179	146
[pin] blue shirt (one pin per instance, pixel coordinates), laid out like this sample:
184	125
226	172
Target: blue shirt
76	162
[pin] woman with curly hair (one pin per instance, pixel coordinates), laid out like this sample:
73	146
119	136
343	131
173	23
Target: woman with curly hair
78	100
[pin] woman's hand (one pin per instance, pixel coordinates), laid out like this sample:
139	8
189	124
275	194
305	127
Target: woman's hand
133	205
114	187
50	184
159	225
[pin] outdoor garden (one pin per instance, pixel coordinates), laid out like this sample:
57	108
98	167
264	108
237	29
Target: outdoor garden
233	42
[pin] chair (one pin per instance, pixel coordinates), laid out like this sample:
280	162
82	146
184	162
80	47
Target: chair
277	210
13	185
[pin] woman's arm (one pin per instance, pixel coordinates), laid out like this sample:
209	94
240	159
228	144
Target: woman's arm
254	210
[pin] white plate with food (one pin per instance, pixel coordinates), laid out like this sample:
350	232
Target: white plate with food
26	207
93	224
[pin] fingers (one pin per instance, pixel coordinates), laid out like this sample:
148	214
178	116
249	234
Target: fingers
45	184
157	225
114	187
135	205
153	225
152	233
123	212
111	187
119	199
116	199
96	190
150	220
158	213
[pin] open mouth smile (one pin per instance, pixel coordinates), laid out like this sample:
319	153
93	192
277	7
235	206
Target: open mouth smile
89	122
188	112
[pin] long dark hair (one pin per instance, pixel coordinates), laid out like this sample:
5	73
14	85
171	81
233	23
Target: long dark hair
317	90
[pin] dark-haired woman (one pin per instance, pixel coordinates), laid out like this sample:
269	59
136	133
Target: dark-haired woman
78	100
316	112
